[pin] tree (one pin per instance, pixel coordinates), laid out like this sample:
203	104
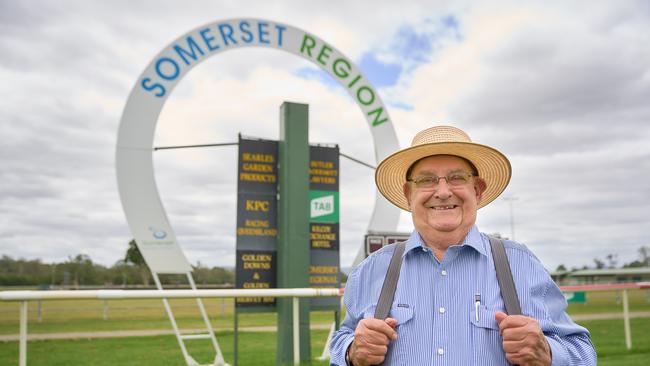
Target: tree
612	260
560	268
644	255
599	263
134	257
133	254
81	269
643	261
215	275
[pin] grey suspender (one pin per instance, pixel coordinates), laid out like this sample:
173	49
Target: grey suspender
390	282
501	264
504	276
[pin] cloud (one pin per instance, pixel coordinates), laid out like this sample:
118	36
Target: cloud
562	89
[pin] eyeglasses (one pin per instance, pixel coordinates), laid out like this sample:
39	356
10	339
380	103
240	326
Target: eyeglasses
430	181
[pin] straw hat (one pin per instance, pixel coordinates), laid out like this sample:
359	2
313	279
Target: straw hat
492	166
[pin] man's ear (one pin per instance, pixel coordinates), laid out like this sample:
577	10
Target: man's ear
407	193
479	187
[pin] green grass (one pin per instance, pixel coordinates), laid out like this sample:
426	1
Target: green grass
255	348
258	348
609	339
86	316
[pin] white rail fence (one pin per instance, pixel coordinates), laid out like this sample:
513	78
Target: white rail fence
623	287
25	296
295	293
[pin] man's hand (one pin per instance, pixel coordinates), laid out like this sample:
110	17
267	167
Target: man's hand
371	339
523	340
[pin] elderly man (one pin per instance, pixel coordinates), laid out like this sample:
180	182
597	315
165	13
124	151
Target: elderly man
447	307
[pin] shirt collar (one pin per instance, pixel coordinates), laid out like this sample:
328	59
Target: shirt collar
473	239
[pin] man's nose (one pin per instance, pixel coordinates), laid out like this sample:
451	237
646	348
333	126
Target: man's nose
442	190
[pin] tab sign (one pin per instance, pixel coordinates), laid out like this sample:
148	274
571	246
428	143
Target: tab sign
322	206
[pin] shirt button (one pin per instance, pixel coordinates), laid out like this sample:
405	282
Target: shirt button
441	351
443	272
442	310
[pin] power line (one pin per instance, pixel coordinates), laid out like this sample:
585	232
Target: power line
236	143
193	146
357	161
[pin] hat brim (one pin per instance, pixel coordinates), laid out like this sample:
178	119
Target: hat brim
493	167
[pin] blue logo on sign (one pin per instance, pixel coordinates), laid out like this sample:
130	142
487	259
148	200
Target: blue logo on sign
157	233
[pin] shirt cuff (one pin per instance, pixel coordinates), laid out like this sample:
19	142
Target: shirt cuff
559	354
348	343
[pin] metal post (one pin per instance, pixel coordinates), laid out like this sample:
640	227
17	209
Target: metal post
235	334
293	228
326	350
172	320
337	320
626	321
23	335
218	360
296	331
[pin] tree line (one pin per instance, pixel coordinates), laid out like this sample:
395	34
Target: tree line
80	270
611	261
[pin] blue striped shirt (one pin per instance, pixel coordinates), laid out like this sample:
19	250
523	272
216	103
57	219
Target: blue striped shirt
435	308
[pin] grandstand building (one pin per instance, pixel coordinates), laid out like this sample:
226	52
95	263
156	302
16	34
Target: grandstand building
598	276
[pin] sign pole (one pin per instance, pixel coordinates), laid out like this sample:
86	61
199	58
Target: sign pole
235	340
293	228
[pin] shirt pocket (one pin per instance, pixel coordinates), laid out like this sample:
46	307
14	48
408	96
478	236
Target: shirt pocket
485	320
401	312
487	343
399	349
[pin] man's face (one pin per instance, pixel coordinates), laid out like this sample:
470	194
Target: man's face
443	208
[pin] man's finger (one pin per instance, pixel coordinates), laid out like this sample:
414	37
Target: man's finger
383	327
392	322
512	346
510	321
500	316
515	334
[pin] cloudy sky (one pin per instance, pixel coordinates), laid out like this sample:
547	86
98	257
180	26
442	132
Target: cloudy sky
562	89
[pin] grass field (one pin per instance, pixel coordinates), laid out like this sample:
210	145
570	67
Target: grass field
256	348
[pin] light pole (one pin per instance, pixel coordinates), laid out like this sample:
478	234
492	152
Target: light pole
512	200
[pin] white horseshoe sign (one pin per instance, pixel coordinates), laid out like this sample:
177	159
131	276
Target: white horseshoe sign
134	163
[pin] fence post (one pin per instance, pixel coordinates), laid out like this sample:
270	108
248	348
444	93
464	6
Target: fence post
23	334
626	321
296	330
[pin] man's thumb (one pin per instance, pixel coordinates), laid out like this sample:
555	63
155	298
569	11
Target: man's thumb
499	316
392	322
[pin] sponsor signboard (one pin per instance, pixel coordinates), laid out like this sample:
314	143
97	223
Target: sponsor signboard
257	224
324	270
376	241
